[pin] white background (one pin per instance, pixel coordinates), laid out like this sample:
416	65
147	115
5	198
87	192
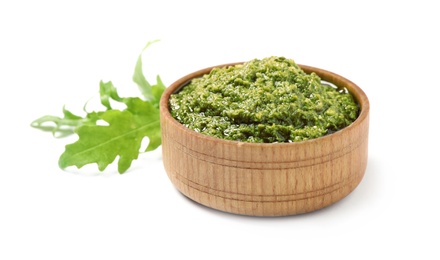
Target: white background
54	53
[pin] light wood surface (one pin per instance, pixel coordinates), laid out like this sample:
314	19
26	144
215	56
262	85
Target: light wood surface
266	179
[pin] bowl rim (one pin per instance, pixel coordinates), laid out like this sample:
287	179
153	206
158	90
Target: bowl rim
359	95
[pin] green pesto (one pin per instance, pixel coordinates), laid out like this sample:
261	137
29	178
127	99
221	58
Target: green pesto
263	101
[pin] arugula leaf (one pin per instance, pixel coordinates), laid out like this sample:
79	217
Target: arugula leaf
146	109
107	91
139	78
62	127
157	90
101	144
123	135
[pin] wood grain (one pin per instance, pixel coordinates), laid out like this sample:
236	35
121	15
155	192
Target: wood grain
266	179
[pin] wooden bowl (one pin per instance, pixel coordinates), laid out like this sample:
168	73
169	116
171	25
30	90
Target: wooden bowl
261	179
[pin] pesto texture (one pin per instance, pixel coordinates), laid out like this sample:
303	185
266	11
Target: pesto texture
265	101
